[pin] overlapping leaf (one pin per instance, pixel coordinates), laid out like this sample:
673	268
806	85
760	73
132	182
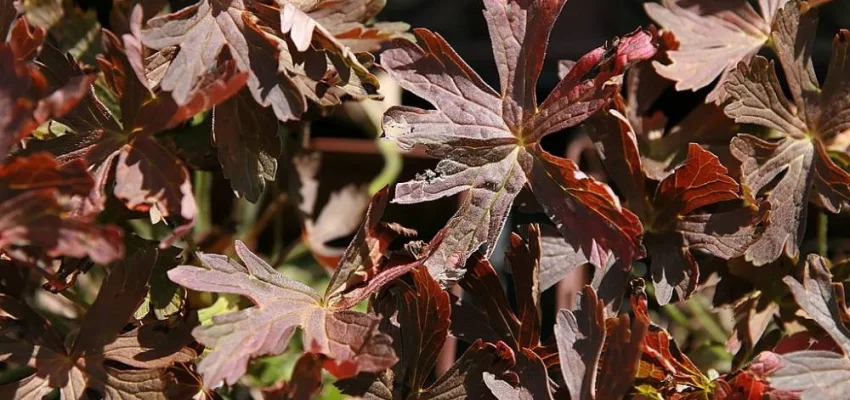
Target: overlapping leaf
349	339
351	22
143	355
664	370
520	330
675	216
796	168
816	374
35	220
590	372
423	313
488	142
714	37
663	143
146	176
204	29
26	98
293	53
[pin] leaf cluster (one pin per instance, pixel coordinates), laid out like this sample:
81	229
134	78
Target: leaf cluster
125	273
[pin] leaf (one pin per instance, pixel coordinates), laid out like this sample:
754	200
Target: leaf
27	100
752	317
752	381
503	390
350	21
204	29
676	216
798	159
617	145
92	359
164	299
607	227
714	36
349	339
488	142
521	330
146	176
582	335
34	220
557	258
663	142
464	377
367	265
816	296
248	145
25	40
664	369
815	373
700	181
423	312
762	162
483	285
525	264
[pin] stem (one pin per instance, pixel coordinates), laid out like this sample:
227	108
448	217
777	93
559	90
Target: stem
823	233
706	322
676	314
73	298
261	224
248	213
720	353
203	199
392	166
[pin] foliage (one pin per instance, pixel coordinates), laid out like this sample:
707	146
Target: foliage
144	145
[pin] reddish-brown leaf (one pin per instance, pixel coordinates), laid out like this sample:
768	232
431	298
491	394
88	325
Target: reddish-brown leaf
248	144
349	339
677	216
27	100
424	313
714	36
34	213
351	21
598	357
99	357
488	142
664	368
203	30
814	119
147	175
26	40
366	265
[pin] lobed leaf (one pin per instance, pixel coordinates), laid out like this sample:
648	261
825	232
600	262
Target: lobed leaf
34	223
89	362
349	339
487	142
798	159
714	37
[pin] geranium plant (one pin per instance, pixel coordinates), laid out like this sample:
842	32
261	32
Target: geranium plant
171	226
